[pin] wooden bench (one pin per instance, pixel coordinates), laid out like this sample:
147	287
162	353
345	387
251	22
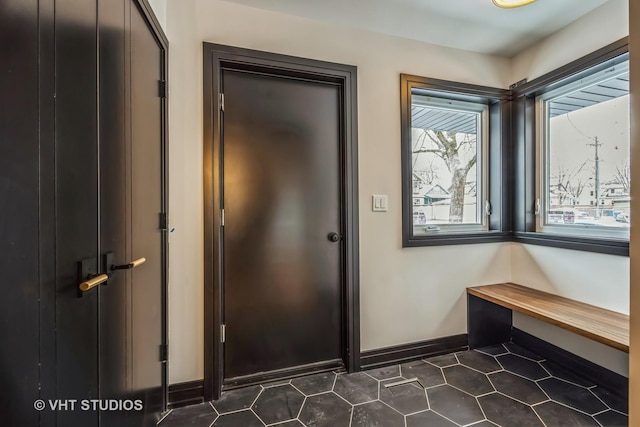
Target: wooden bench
490	310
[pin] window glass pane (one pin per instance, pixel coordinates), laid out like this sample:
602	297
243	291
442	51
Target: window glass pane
445	155
588	173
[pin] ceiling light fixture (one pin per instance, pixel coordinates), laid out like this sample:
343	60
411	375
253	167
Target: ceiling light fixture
508	4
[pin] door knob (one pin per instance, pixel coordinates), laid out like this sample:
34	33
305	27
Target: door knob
333	237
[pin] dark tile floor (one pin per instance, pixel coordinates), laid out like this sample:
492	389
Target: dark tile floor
503	386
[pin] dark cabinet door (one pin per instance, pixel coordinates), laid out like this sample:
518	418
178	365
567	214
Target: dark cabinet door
146	178
114	144
81	176
19	217
76	205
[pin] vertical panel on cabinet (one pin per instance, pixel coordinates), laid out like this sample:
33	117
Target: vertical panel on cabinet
76	204
113	199
47	232
19	275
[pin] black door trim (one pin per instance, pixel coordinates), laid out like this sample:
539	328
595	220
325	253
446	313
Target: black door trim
215	58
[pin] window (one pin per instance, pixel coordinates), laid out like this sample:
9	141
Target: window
446	141
448	164
570	154
583	152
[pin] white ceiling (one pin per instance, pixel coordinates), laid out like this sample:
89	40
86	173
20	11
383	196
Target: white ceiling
475	25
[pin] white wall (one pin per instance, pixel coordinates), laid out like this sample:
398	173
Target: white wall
601	280
597	279
600	27
406	295
160	9
634	361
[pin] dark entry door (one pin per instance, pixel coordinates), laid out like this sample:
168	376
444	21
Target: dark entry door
282	279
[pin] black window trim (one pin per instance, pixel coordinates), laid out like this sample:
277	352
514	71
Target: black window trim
498	186
512	145
524	154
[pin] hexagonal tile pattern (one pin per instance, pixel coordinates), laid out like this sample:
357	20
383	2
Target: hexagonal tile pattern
428	374
519	388
523	367
572	395
325	410
429	418
385	373
612	400
478	361
516	349
563	374
494	350
406	398
504	411
201	415
244	418
375	414
455	405
443	361
314	384
458	390
236	400
466	379
356	388
612	419
292	423
484	423
278	404
554	414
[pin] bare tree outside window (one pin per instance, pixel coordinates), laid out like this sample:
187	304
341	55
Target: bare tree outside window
623	175
445	162
569	184
454	149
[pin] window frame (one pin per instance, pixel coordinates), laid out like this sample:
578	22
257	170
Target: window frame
528	131
495	189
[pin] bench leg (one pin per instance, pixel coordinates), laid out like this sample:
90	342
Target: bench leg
487	323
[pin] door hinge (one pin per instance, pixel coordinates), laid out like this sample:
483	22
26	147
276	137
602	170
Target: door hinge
222	102
162	88
221	217
223	333
163	221
164	352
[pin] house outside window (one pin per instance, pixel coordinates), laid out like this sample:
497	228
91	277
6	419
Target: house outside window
448	161
451	133
583	155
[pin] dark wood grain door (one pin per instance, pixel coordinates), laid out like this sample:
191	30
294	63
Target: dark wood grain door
282	271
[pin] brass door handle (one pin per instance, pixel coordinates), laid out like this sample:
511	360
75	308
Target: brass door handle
133	264
93	282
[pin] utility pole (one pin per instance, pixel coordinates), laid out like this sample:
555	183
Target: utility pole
596	144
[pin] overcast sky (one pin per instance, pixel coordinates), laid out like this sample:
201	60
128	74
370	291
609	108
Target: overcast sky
571	133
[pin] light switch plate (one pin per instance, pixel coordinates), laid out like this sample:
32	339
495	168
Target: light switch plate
380	203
